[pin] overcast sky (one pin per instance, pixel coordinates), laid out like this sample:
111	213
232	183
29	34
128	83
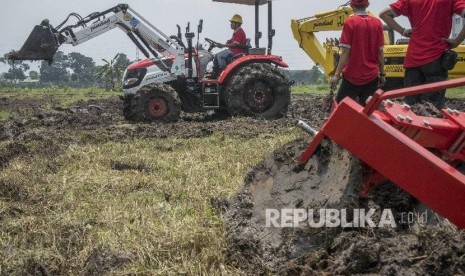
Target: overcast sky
18	17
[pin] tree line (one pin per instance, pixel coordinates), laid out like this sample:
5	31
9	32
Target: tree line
304	77
73	70
77	70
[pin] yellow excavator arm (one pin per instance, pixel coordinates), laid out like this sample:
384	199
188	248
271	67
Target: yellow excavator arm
326	54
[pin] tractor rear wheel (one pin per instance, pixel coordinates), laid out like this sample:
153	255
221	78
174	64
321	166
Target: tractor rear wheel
154	103
258	90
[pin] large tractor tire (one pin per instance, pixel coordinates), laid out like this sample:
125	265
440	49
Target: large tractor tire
153	103
127	107
258	90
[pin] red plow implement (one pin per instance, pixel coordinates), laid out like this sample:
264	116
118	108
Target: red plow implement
420	154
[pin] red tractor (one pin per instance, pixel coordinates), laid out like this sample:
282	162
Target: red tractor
172	77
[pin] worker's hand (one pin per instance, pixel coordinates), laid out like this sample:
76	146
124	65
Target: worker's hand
334	81
381	81
452	42
407	32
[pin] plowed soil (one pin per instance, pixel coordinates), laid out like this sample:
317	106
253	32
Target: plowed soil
425	245
331	179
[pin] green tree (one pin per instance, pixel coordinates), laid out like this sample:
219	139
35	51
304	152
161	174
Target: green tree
316	76
83	69
56	72
123	61
17	69
34	75
111	72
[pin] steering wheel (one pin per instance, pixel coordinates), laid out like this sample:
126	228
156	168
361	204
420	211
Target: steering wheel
213	44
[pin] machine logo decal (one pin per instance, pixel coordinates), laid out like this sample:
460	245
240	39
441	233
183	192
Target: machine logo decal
100	24
157	76
134	22
324	23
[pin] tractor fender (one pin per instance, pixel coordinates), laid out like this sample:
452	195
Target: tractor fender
241	61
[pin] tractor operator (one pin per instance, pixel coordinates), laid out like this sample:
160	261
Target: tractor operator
236	45
362	59
431	23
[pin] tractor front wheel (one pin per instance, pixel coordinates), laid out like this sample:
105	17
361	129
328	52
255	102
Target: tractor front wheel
258	90
154	103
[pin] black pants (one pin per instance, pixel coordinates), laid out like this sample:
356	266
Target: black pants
358	93
428	73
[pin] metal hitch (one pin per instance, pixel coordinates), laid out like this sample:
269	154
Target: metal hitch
40	45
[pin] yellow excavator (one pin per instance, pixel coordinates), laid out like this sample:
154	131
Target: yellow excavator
326	55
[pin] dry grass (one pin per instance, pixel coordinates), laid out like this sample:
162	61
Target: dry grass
142	204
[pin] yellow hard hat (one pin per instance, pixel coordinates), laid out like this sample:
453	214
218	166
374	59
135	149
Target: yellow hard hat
236	18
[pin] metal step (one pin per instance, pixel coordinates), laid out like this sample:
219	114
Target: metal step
211	100
213	97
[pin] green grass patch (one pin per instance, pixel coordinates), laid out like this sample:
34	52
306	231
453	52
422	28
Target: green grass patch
310	89
4	115
147	197
456	93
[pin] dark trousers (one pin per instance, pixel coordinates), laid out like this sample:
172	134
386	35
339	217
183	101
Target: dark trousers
428	73
358	93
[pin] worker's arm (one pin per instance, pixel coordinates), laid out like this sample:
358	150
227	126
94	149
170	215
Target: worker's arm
454	42
343	58
388	15
233	44
382	73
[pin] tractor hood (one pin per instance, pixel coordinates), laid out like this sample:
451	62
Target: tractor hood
244	2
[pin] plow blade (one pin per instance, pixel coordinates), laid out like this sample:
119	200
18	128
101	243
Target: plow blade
40	45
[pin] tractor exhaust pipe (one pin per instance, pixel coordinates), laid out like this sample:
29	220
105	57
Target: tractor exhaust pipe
40	45
310	130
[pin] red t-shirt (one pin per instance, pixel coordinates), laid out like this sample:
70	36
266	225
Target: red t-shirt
431	21
363	34
239	37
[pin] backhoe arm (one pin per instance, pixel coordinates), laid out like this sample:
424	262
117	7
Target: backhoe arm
44	40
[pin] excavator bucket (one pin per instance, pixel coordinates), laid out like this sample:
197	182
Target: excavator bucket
40	45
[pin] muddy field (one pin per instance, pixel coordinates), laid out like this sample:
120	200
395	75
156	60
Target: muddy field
276	182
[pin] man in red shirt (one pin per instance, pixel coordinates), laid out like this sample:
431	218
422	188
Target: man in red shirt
236	45
431	23
362	60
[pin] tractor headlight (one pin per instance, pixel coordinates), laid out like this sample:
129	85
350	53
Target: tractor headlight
130	81
133	77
